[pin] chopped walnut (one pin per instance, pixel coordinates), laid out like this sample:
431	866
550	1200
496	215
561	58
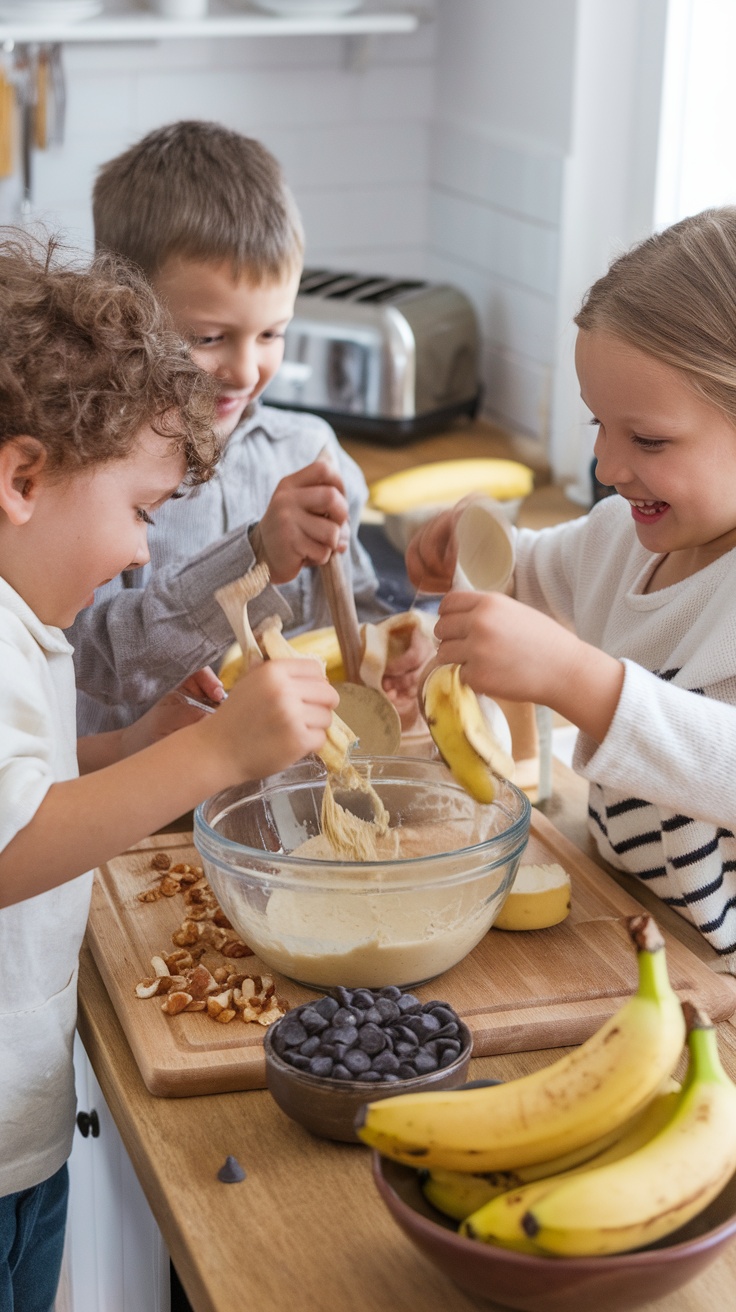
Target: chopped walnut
222	992
175	1002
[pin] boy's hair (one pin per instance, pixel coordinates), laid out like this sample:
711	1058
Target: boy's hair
89	359
674	296
201	191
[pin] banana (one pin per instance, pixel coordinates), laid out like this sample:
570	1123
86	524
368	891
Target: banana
656	1190
584	1094
339	738
461	735
501	1221
458	1194
443	482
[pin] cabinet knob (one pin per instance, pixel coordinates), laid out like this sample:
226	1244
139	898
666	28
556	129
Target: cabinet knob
88	1123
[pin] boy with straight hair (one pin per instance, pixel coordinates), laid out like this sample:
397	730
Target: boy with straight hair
206	214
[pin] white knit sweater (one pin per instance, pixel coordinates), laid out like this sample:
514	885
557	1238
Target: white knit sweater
663	782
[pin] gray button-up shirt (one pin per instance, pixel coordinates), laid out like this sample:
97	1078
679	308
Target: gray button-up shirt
151	628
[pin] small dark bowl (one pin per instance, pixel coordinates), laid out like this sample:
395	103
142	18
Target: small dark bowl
614	1283
328	1107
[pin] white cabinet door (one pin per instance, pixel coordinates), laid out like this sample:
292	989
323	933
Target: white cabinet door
115	1259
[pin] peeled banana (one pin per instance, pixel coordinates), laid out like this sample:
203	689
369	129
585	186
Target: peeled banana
656	1190
458	1194
461	735
580	1097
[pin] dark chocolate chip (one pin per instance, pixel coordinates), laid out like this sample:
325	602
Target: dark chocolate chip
406	1071
371	1038
312	1021
387	1009
369	1077
390	991
386	1062
292	1033
357	1061
424	1062
344	1016
344	996
311	1046
325	1007
363	998
340	1072
447	1057
347	1034
407	1003
231	1172
322	1066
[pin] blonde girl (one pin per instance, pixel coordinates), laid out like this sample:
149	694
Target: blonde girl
624	620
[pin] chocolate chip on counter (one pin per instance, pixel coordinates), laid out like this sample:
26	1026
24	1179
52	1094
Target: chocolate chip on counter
231	1172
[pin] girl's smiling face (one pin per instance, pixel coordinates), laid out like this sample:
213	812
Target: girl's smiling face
669	452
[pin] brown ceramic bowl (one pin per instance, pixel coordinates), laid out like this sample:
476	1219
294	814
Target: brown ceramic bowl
328	1107
615	1283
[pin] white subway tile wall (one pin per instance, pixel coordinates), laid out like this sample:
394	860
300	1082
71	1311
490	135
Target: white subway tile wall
382	184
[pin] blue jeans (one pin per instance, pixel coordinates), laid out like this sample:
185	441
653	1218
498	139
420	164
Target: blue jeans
32	1225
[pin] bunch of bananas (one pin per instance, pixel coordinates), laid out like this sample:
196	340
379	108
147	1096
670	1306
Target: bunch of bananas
601	1152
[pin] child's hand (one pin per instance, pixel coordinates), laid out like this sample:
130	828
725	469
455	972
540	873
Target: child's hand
431	555
506	649
305	521
404	674
510	650
276	714
203	685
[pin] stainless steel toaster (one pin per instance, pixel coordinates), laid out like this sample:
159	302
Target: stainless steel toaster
386	358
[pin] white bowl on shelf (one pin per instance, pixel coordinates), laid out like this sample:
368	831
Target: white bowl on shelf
308	8
50	11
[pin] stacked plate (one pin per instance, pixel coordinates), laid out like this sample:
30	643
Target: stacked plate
49	11
308	8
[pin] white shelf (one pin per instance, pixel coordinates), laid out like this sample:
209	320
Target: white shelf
139	25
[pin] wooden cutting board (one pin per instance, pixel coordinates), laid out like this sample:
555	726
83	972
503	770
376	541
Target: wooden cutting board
516	991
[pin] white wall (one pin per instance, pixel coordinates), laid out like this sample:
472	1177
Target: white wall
354	142
502	131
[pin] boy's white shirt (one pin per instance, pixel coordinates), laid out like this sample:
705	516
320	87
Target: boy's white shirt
663	782
40	938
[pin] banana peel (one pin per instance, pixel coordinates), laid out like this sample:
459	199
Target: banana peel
461	735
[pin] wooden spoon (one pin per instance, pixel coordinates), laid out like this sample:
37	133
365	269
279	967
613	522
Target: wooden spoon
368	712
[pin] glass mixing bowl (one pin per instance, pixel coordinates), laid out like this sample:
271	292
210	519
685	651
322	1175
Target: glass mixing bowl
362	924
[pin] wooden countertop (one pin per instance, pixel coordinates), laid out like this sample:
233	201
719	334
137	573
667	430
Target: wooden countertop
307	1226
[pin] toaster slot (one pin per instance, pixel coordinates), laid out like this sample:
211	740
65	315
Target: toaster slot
389	292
